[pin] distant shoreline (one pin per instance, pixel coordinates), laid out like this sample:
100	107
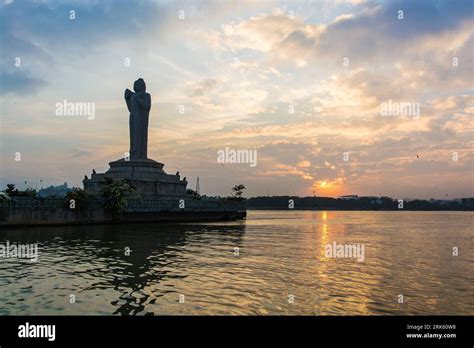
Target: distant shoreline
356	203
323	209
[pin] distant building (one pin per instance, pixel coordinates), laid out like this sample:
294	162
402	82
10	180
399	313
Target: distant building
349	197
54	191
374	200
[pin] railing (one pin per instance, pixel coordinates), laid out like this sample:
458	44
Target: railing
177	204
27	202
134	205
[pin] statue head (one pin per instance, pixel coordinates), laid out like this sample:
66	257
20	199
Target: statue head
139	85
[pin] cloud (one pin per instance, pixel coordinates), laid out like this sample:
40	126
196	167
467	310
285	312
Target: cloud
202	88
249	77
19	83
348	35
42	33
260	32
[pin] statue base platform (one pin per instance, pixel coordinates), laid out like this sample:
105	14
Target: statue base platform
146	175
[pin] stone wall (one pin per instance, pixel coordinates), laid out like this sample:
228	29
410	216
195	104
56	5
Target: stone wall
41	211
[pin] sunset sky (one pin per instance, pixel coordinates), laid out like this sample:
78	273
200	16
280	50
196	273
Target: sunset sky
302	82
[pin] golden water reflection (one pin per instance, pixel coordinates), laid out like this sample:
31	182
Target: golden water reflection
281	253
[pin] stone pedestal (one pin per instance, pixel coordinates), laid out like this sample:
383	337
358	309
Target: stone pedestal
146	175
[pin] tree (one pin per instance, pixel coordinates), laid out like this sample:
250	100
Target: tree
238	190
11	191
193	193
80	199
115	197
4	197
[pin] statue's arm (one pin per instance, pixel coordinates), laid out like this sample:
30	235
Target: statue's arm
127	95
144	100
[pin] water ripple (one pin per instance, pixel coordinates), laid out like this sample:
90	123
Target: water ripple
281	267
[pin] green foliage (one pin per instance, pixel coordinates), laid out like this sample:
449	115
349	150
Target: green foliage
115	197
193	193
11	191
4	197
80	199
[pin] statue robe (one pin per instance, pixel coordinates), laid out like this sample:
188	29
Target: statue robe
139	105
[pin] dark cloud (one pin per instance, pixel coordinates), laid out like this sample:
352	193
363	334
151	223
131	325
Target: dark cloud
423	16
39	32
95	21
376	34
19	83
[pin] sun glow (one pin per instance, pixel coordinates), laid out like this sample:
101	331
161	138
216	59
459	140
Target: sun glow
327	187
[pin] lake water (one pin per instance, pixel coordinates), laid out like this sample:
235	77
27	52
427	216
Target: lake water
280	266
